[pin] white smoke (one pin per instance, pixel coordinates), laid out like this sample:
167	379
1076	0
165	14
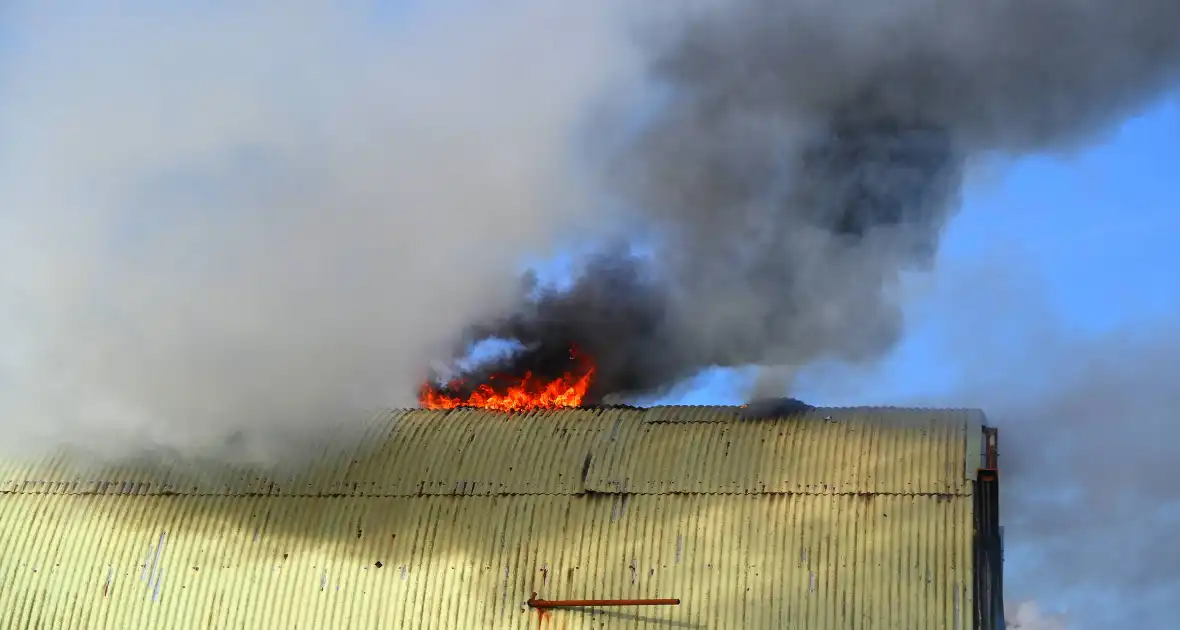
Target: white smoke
1028	616
259	219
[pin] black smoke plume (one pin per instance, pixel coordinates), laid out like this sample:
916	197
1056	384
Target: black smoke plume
806	153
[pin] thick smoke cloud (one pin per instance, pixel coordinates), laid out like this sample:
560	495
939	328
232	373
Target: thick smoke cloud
244	222
805	153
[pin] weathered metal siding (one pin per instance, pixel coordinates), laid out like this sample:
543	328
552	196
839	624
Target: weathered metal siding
664	449
821	454
736	561
455	519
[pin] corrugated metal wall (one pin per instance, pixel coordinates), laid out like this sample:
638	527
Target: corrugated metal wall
457	518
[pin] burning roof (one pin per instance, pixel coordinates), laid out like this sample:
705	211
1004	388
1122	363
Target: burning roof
506	392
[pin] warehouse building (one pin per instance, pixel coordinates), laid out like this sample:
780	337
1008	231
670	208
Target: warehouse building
465	519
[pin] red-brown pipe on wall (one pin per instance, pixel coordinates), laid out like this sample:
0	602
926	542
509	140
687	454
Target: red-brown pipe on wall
585	603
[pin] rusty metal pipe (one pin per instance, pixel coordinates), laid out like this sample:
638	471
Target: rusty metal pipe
582	603
991	448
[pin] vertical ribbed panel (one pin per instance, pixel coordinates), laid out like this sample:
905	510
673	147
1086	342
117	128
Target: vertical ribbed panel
658	450
467	451
856	451
737	562
838	518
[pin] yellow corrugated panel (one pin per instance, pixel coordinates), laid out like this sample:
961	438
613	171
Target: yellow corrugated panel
405	453
837	519
665	449
469	562
479	452
827	451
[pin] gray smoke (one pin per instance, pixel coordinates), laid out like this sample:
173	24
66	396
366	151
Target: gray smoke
803	153
242	220
810	150
228	228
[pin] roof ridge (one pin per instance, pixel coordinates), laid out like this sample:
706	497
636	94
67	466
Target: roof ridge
963	492
814	408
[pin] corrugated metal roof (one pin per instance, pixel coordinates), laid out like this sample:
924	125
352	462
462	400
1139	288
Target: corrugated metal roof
662	449
787	553
847	451
735	561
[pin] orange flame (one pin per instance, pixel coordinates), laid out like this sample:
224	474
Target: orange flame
521	394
